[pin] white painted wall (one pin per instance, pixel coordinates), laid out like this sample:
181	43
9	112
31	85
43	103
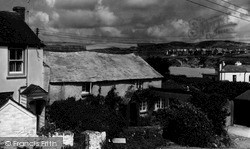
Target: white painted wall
16	121
240	76
33	75
63	91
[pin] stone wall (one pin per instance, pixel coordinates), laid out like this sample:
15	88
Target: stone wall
94	139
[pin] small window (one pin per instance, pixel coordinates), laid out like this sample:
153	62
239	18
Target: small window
16	61
143	106
161	104
86	87
234	78
139	85
249	78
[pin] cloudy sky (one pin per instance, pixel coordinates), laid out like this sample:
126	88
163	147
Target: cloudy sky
137	20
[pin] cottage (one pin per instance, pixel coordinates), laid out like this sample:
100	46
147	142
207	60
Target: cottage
21	58
76	74
234	73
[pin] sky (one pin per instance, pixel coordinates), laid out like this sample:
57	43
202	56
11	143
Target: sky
133	21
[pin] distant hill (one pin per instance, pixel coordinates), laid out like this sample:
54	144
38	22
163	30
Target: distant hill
202	44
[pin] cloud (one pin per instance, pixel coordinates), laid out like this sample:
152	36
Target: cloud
141	3
144	19
104	14
101	16
76	4
170	29
50	3
39	19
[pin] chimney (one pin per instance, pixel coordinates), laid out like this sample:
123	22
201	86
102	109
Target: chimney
20	10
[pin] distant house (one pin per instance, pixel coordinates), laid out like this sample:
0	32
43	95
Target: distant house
77	74
234	73
21	59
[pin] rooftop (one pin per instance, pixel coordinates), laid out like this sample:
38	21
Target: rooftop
235	68
244	96
15	31
93	67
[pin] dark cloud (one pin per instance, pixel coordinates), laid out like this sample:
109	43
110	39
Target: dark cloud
148	19
76	4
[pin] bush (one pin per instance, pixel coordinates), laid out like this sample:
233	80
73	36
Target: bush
214	106
78	116
143	137
145	121
187	125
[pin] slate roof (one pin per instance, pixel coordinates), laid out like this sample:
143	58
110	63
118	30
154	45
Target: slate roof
14	30
93	67
244	96
234	68
33	89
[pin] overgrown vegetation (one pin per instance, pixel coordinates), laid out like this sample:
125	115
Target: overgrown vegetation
186	125
93	113
215	107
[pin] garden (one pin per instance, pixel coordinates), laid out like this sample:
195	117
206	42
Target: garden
199	122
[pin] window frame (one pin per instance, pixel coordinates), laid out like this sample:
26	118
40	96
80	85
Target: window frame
139	84
87	90
23	62
143	107
161	104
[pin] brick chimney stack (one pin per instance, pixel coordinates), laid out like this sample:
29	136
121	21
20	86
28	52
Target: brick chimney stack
20	10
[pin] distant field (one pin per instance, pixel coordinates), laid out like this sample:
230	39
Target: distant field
190	72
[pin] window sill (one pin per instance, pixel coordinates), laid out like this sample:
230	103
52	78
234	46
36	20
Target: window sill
16	77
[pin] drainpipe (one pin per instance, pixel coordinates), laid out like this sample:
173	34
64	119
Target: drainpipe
27	65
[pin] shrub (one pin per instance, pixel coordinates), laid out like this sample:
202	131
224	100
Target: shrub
214	106
78	116
187	125
145	121
143	137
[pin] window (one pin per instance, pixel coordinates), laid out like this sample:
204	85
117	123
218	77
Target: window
234	78
16	61
143	106
161	104
86	87
139	84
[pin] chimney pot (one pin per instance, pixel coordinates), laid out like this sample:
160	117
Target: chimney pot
20	10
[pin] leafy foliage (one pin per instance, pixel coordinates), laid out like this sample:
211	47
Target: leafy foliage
187	125
214	106
90	114
143	137
146	95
